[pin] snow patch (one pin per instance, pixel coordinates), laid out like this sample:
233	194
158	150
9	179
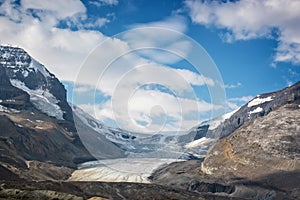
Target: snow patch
256	110
199	142
41	99
258	101
8	110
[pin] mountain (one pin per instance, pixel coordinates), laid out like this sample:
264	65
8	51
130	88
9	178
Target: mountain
260	159
37	130
46	92
261	105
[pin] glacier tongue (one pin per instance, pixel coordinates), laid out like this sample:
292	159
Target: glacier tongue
41	99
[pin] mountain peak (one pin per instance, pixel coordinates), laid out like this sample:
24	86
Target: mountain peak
46	92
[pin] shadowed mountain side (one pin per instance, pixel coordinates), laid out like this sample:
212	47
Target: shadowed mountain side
98	145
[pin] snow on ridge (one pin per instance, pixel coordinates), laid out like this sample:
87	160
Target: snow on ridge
256	110
258	101
41	99
214	123
10	45
39	67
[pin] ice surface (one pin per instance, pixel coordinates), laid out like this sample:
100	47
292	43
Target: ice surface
42	99
119	170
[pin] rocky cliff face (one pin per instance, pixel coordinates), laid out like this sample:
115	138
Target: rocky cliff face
265	150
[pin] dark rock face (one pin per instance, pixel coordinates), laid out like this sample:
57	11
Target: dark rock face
197	133
198	186
20	66
10	96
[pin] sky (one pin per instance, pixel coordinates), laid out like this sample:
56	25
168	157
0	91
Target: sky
161	65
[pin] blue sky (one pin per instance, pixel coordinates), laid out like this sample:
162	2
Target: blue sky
255	46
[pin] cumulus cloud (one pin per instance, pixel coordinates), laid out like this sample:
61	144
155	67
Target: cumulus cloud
250	19
170	48
54	8
151	111
236	102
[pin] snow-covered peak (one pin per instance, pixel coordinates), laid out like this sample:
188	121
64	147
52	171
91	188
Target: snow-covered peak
20	62
24	72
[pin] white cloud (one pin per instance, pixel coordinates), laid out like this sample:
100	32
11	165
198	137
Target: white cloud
232	86
241	99
236	102
250	19
57	8
82	88
157	111
194	78
171	47
104	2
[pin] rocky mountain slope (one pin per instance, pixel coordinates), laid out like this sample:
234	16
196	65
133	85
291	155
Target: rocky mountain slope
259	160
37	130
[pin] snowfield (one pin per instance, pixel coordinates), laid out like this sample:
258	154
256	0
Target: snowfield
119	170
258	101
